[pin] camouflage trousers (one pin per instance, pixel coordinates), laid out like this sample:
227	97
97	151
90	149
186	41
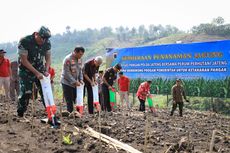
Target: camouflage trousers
26	92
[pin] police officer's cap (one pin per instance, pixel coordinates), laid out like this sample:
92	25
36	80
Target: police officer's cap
118	66
44	32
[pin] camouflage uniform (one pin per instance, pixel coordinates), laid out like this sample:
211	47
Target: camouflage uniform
36	54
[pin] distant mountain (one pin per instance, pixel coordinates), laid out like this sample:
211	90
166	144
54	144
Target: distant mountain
60	49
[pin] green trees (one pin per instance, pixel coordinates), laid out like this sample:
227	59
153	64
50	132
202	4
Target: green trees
62	43
216	27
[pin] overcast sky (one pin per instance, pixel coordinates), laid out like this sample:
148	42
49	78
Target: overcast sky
22	17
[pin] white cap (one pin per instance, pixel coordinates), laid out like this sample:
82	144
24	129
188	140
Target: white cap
99	59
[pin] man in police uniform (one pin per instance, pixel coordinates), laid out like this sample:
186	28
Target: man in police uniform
109	77
32	50
72	76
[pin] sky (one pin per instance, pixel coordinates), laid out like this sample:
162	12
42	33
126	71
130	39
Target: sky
23	17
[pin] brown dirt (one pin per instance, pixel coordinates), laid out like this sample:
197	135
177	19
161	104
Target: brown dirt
190	133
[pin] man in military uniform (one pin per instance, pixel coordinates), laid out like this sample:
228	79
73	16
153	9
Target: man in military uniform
109	77
177	93
32	50
14	84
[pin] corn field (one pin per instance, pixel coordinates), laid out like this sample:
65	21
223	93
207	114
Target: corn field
208	95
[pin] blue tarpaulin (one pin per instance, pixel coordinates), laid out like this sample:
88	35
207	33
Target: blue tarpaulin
209	60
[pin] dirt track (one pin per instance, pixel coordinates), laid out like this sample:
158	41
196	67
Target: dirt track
190	133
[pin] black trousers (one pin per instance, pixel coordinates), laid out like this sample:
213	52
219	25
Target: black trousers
70	96
142	105
106	100
174	106
101	101
90	98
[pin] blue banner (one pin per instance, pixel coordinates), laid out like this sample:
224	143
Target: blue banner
209	60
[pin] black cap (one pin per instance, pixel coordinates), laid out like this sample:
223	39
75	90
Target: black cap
149	81
44	32
2	51
121	73
118	66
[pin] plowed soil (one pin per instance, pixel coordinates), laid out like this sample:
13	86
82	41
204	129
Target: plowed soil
142	131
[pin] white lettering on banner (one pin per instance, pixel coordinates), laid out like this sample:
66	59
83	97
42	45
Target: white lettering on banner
169	64
134	70
198	70
220	63
182	70
155	64
219	69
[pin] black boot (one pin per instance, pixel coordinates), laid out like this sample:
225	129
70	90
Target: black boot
171	114
20	114
54	122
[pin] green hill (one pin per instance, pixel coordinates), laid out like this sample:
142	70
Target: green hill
186	38
99	48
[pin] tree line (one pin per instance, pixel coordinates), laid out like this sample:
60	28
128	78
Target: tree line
141	35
